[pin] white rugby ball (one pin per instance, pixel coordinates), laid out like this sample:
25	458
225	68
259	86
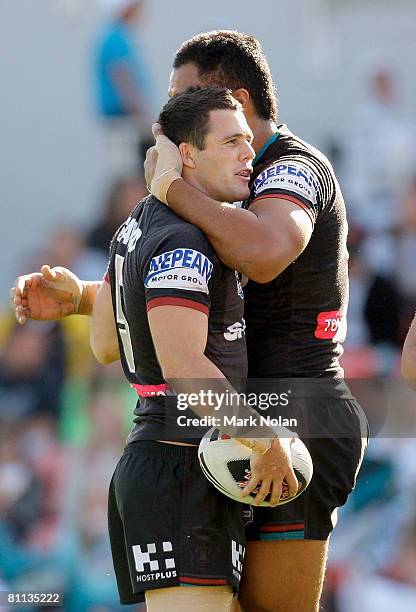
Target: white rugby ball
226	464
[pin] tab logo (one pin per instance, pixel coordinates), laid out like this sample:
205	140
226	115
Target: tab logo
331	325
186	269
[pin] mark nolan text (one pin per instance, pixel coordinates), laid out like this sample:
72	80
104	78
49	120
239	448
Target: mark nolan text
258	421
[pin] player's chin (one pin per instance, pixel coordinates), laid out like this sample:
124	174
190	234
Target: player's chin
241	191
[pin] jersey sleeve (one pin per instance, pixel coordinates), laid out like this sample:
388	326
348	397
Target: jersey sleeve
181	270
293	179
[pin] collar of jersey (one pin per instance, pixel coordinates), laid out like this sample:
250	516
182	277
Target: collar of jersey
264	148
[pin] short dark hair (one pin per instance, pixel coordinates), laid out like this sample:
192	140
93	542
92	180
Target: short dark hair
232	59
185	118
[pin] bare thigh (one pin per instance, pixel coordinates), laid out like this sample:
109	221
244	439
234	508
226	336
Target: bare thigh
283	576
190	599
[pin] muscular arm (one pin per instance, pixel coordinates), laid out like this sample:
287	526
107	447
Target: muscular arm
103	338
179	336
408	362
260	242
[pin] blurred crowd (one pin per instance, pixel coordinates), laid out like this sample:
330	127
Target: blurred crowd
63	423
372	551
378	170
64	418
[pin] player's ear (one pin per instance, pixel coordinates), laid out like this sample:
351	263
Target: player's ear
187	153
242	96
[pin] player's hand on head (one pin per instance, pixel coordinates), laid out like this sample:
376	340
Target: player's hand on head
168	154
272	472
150	166
159	135
163	169
52	293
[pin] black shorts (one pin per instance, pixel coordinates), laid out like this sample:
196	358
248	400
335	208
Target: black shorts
336	462
168	525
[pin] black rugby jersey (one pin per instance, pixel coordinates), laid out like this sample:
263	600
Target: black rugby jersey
157	258
296	323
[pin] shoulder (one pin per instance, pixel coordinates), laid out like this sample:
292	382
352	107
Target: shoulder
175	230
289	175
298	145
295	169
298	149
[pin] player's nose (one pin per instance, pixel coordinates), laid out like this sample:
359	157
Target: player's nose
247	152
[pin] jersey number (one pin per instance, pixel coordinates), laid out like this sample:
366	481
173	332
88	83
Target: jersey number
122	325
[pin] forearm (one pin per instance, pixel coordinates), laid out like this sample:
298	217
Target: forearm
103	338
237	235
408	361
104	343
199	376
89	293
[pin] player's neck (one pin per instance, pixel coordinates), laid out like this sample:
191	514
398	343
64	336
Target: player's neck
262	130
191	178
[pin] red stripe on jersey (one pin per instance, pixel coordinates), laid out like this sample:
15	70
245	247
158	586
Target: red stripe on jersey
106	277
150	390
277	528
173	301
282	196
207	581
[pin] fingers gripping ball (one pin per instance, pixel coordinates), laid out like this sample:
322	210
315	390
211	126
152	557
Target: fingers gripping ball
226	464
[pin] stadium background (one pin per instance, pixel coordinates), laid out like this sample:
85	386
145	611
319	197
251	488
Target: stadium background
63	419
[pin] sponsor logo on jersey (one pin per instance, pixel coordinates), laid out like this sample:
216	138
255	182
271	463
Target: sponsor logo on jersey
129	234
154	561
151	390
239	286
180	269
290	177
237	556
331	325
235	331
248	515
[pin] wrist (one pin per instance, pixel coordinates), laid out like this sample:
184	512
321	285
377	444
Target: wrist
161	184
85	301
260	446
283	437
263	445
169	190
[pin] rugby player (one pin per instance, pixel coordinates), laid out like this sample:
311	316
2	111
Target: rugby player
165	309
291	243
167	526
